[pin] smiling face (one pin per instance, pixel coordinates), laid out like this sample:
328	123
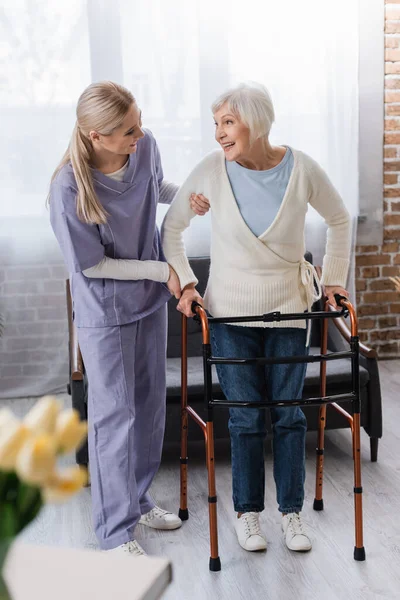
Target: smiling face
232	134
124	139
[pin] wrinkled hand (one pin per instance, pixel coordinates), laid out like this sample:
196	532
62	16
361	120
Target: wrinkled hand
396	281
199	204
331	290
173	283
189	295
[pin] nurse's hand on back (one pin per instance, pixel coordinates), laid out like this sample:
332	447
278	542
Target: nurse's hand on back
103	201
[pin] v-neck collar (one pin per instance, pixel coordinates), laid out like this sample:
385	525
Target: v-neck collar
261	238
112	184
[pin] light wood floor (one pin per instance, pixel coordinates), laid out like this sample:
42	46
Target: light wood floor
328	572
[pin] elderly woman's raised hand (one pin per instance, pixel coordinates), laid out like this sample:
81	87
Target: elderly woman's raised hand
199	204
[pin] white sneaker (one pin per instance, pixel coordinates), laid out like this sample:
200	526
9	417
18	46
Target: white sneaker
296	537
132	548
160	519
249	533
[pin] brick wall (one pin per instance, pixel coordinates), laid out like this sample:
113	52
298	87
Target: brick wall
33	349
378	302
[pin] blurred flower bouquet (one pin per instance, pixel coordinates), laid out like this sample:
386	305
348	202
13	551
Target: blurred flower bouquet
28	467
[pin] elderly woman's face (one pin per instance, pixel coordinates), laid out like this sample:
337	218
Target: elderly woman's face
231	134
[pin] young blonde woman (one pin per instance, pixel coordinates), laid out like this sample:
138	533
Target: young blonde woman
259	196
103	199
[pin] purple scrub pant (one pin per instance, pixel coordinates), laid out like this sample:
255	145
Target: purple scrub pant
125	366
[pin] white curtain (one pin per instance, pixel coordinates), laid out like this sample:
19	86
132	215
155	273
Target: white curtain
175	57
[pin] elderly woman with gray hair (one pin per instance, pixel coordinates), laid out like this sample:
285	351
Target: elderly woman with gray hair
259	196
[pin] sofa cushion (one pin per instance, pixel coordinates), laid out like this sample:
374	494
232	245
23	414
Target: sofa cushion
195	377
338	373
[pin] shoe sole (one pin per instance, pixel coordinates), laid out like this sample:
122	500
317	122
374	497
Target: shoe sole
253	549
163	528
262	549
299	549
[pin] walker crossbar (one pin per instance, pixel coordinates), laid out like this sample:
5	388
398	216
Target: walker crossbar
277	316
272	403
215	360
322	401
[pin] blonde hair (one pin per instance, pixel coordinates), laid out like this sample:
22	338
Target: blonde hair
101	107
252	104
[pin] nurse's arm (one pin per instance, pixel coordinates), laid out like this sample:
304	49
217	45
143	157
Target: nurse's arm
167	191
199	203
176	221
129	269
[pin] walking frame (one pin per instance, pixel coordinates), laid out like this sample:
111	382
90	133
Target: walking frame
207	427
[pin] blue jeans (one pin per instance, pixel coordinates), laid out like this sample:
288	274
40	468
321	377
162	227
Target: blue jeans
247	425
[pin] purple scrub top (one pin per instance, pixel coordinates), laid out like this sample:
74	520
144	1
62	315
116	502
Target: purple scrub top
130	232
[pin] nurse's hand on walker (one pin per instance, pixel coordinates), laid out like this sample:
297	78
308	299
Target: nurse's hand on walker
173	283
189	295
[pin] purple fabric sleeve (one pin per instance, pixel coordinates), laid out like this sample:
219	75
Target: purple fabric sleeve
80	242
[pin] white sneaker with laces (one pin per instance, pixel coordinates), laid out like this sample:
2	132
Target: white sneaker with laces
132	548
249	533
295	534
159	518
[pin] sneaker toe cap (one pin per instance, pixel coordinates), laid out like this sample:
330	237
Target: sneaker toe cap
255	542
173	521
300	543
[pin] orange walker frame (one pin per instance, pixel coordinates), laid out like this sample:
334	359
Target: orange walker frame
208	430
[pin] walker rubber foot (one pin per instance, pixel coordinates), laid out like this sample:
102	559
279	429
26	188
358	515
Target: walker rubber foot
183	514
359	553
215	564
318	504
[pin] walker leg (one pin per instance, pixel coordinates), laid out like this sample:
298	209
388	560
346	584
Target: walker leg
319	476
183	509
215	562
359	550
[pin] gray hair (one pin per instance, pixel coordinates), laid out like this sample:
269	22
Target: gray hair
252	104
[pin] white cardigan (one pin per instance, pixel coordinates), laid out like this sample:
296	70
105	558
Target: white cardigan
252	275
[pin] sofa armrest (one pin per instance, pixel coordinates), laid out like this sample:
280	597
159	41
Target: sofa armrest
75	357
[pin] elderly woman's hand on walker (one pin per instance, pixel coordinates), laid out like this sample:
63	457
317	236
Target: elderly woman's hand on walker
189	295
331	290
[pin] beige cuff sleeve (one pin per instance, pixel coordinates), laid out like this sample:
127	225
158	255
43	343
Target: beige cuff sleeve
129	269
334	271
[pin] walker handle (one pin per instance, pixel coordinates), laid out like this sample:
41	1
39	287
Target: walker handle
339	298
193	306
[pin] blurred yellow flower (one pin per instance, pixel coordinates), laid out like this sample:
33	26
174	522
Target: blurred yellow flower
13	436
42	417
36	461
65	484
70	431
6	417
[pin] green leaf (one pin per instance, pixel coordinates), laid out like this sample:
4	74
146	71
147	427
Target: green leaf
29	503
26	496
8	486
3	481
8	521
33	512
